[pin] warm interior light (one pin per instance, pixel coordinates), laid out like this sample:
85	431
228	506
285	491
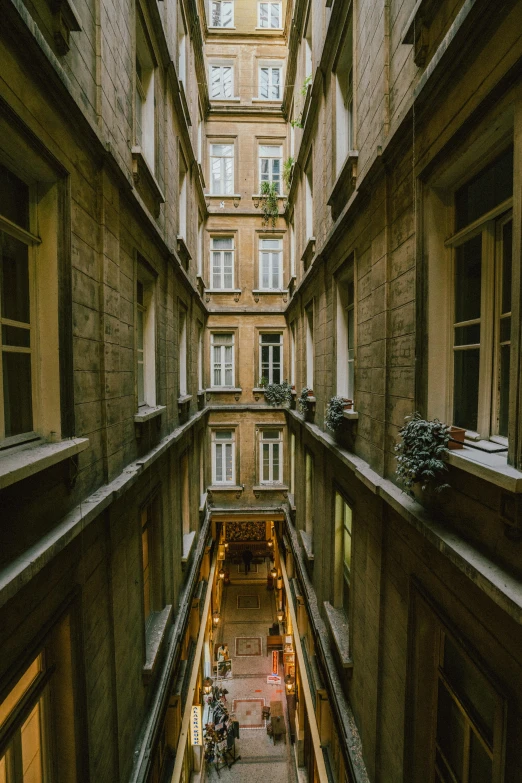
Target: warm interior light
289	682
273	573
216	618
207	685
270	544
221	573
280	616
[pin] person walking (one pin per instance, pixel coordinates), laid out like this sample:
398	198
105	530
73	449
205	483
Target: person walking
247	559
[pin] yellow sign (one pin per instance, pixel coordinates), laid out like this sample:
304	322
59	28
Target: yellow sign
195	725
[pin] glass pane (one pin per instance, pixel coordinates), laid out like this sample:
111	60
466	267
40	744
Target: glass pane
468	280
18	404
270	150
347	549
223	339
219	462
270	434
216	14
274	339
503	413
215	81
274	15
229	176
14	198
451	731
490	187
275	462
470	685
275	270
265	270
32	747
350	330
480	766
270	244
224	435
14	279
263	83
222	150
263	14
507	265
14	696
222	243
227	82
228	453
266	463
216	176
227	14
12	335
467	335
465	388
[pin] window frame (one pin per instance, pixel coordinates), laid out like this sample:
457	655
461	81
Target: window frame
222	363
271	443
271	67
309	345
270	347
346	330
342	574
344	119
145	90
221	26
271	159
221	253
146	278
183	326
271	252
270	3
221	65
215	443
222	158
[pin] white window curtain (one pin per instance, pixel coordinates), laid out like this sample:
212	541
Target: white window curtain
222	262
221	13
270	263
270	15
271	457
222	169
271	349
270	82
223	457
270	158
222	360
221	81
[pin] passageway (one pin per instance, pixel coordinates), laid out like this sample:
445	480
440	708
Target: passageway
247	611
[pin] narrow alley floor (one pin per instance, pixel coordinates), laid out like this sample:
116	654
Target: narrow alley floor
247	612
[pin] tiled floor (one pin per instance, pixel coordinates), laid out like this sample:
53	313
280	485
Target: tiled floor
261	760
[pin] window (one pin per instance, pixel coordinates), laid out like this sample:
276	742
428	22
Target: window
200	135
270	266
182	48
482	272
269	15
202	485
200	357
343	552
223	457
307	41
270	82
222	262
271	357
182	336
222	169
309	496
185	494
147	562
292	353
145	133
309	198
344	101
221	13
145	338
183	178
222	359
221	81
271	456
309	325
270	161
292	247
292	463
200	244
345	333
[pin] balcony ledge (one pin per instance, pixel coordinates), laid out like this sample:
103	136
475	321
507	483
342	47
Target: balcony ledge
154	637
339	628
308	252
226	488
224	390
146	413
184	398
142	171
270	488
26	460
350	415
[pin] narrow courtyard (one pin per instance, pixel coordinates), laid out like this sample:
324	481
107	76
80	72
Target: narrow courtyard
248	610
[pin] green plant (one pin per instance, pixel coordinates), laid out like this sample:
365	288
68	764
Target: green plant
304	402
287	171
263	383
306	82
278	393
270	204
334	413
421	453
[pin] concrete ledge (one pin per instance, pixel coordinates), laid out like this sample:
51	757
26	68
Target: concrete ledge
154	636
340	629
188	542
350	415
489	466
23	461
146	413
306	541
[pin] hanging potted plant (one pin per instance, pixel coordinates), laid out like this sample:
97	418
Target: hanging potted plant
421	455
278	394
269	204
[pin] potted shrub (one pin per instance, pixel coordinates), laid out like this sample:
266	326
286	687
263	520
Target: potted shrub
278	394
421	454
305	403
334	413
269	204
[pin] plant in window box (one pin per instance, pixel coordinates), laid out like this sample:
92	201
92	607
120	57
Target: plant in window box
288	166
269	204
334	412
421	455
278	394
306	405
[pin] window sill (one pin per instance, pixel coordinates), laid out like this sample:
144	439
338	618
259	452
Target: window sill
350	415
223	290
147	413
225	100
226	488
489	466
259	196
220	28
269	291
188	542
270	29
221	196
308	252
184	398
306	541
270	488
346	178
154	636
203	501
26	460
277	101
224	390
340	630
141	171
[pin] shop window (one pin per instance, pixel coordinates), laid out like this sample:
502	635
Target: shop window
145	337
222	262
271	357
222	359
223	457
222	169
345	328
271	456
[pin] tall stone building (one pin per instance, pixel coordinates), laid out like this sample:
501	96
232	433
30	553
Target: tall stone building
199	201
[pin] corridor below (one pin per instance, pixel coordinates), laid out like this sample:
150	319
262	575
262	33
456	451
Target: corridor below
247	611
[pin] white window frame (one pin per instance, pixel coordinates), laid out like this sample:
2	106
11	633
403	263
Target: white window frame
182	48
271	445
183	196
342	573
146	355
183	355
309	326
222	366
271	177
220	3
220	253
268	25
309	198
270	67
271	346
200	356
145	110
219	447
218	69
344	103
275	256
345	330
227	182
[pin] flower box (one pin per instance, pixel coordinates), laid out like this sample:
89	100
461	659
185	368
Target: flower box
457	435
